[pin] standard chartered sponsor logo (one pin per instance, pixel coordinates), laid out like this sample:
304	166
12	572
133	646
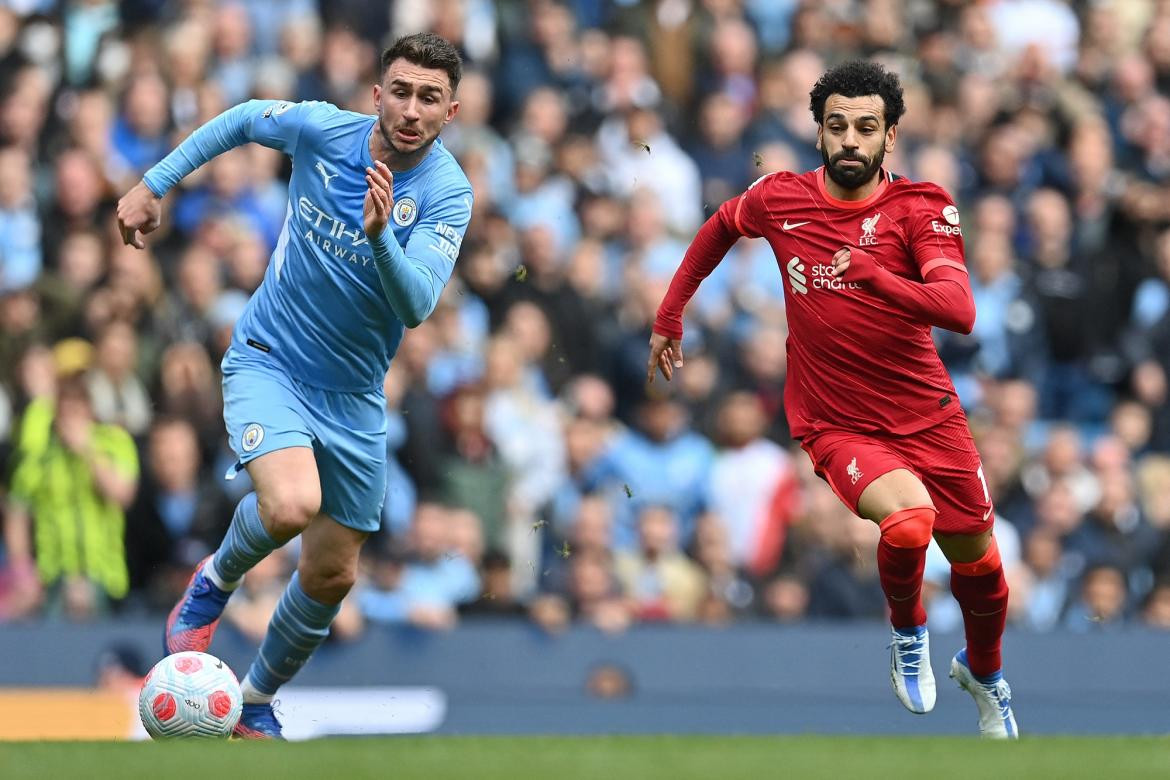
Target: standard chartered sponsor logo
819	277
796	276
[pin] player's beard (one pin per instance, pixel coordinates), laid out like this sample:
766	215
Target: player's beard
852	178
408	153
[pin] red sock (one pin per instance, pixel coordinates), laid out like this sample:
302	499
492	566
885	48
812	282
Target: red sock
901	558
982	592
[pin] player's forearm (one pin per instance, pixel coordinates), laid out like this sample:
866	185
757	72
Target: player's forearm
411	287
226	131
705	253
945	301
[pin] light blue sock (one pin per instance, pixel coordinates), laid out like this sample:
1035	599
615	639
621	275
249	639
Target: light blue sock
298	627
245	544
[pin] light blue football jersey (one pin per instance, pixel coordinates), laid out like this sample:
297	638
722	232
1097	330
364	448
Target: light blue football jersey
323	313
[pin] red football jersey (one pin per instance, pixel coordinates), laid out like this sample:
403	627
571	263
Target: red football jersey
855	361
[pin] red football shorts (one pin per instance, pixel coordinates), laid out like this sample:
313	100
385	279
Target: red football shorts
943	457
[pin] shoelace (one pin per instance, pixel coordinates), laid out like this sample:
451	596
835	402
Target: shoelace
1001	694
900	643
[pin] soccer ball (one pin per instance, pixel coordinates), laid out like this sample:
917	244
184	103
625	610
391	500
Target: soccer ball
190	694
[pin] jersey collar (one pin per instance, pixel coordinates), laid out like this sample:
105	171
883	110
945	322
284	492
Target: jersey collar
852	204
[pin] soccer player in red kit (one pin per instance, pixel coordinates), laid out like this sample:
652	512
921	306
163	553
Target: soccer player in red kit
870	262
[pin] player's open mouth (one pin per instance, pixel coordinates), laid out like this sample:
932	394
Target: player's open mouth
407	135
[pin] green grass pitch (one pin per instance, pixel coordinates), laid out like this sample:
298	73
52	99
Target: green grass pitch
596	758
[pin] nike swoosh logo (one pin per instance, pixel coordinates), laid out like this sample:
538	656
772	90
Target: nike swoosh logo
792	225
987	514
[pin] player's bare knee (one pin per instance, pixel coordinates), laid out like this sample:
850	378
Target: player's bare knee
289	512
327	582
964	548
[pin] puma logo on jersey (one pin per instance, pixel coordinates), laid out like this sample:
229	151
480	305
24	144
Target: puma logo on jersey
869	230
853	471
325	175
792	225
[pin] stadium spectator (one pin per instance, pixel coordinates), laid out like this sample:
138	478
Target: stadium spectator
658	579
65	524
424	587
177	518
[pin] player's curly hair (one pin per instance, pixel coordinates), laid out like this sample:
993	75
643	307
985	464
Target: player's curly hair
858	78
429	51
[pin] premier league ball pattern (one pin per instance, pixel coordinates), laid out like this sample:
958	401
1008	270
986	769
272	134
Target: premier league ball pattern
190	694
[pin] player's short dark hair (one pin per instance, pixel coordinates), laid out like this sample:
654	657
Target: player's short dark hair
859	78
429	51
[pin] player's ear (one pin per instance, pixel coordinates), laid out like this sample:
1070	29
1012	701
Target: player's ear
378	97
891	136
820	132
452	110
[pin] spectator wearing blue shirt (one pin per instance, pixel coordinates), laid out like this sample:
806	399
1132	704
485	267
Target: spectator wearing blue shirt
661	463
20	227
425	588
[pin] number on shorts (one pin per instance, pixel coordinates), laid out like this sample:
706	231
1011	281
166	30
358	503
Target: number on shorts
983	481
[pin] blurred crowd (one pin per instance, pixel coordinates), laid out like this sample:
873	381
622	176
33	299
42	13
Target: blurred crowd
531	473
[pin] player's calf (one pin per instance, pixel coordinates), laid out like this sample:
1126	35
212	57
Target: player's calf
901	559
982	592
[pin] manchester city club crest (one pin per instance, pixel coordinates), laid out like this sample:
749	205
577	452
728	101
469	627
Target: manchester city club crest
253	435
405	212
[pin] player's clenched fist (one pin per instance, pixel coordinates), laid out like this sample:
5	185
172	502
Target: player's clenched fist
379	198
857	262
139	211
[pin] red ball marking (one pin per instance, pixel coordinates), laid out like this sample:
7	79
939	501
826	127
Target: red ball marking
220	704
188	665
164	706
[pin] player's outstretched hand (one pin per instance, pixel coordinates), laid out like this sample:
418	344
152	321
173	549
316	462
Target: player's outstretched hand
666	354
379	198
139	211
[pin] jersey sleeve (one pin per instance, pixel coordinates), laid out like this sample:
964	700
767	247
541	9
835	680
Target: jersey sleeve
281	125
749	213
935	235
274	123
413	276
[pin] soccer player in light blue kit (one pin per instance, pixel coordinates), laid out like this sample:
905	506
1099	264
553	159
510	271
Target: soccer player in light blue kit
377	211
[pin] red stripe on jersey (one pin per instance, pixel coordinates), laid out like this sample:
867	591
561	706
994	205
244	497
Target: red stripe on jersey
738	209
939	263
